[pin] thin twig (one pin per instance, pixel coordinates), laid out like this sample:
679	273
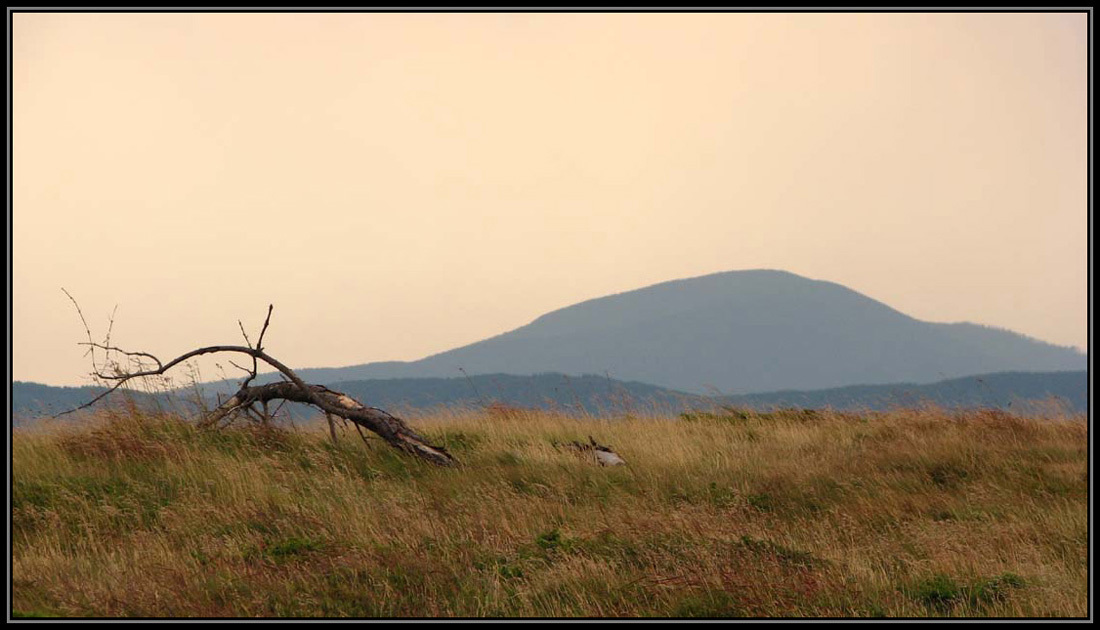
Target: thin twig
92	401
121	351
87	331
258	347
239	367
110	326
469	380
244	334
267	320
279	408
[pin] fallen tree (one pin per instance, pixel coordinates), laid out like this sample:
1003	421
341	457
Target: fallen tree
333	403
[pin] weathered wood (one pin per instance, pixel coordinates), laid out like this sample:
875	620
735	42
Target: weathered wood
389	427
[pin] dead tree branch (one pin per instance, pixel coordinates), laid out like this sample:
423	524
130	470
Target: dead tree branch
390	428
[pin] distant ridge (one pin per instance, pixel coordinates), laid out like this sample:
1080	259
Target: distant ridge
1026	392
577	394
1022	392
1029	393
736	332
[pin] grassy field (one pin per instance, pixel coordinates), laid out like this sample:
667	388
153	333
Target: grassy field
914	513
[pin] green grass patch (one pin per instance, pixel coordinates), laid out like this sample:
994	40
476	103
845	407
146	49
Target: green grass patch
941	593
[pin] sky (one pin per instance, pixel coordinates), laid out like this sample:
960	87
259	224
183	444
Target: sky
398	185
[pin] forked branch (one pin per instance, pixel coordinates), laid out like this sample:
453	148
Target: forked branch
390	428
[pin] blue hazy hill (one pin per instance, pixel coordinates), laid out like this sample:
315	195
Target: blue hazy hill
736	332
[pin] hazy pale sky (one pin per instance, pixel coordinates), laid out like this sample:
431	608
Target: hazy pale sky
402	184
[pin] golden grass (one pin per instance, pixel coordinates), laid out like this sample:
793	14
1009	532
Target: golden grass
913	513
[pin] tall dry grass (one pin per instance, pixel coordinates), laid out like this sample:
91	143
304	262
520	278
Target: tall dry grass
913	513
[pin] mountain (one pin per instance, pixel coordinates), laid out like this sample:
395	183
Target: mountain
736	332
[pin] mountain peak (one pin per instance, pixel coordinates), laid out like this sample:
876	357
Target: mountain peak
738	332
